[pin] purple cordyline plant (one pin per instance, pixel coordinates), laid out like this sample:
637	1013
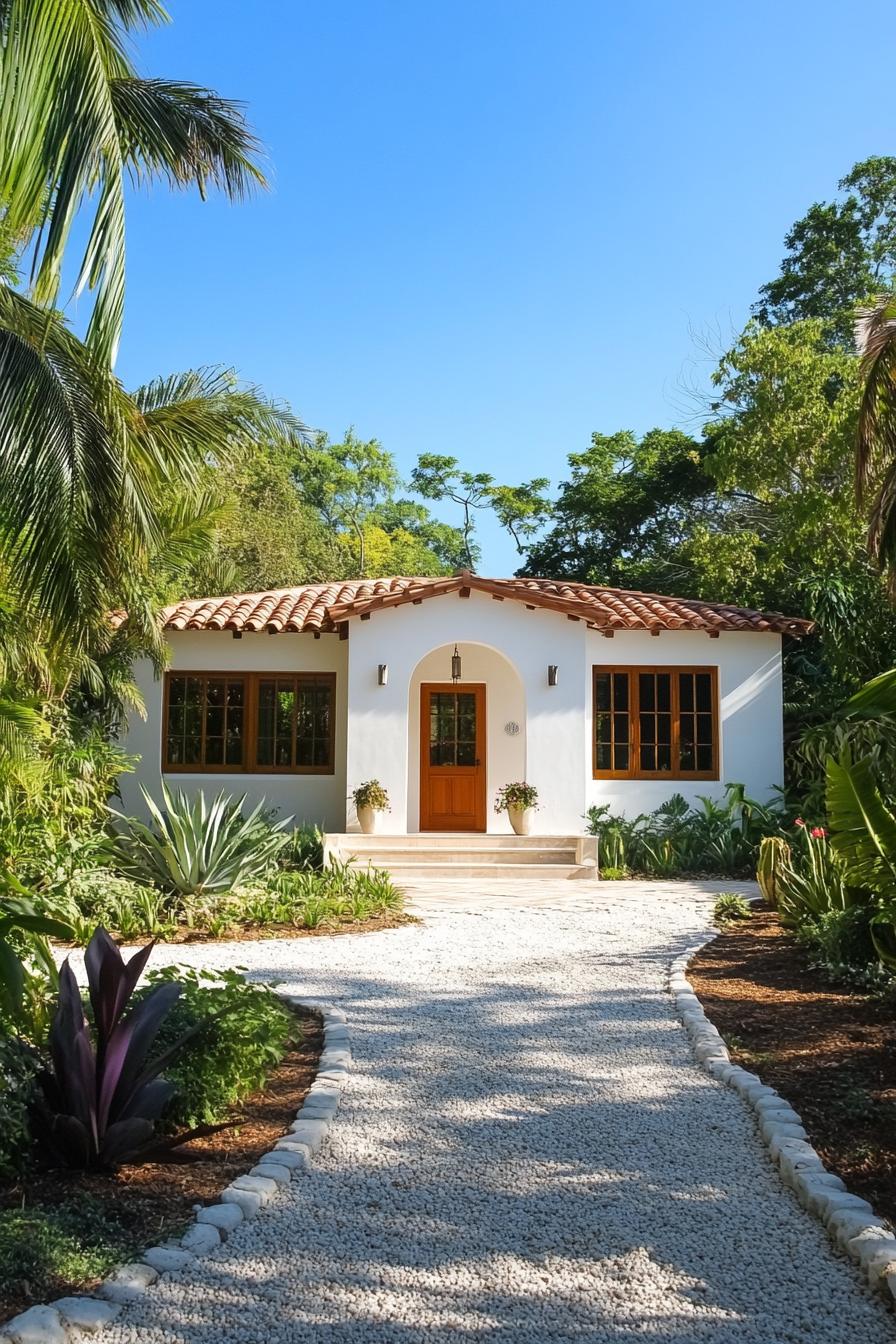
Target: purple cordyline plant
103	1095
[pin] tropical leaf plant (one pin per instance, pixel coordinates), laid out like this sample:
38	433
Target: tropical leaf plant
24	931
196	847
103	1095
862	826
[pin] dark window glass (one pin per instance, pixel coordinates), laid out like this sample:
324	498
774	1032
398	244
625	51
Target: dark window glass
696	723
452	728
612	722
205	722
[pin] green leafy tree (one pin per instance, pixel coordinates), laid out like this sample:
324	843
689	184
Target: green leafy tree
626	511
840	253
521	509
347	482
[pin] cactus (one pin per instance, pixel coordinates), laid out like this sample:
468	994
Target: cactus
774	856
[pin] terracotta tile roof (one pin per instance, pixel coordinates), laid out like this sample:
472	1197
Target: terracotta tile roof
323	607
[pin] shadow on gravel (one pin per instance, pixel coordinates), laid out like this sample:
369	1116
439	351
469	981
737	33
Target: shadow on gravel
524	1163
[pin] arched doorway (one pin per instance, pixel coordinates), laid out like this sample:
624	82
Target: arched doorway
465	738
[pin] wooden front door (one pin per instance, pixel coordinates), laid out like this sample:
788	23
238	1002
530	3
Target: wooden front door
452	757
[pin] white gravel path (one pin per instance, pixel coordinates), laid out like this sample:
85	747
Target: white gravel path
525	1152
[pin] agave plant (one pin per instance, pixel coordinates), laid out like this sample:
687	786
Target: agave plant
197	847
103	1095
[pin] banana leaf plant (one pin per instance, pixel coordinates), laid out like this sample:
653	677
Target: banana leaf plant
863	836
103	1095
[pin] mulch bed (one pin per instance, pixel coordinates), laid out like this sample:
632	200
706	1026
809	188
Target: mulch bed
829	1050
155	1200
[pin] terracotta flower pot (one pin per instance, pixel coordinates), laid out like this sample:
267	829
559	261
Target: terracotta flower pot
369	818
520	819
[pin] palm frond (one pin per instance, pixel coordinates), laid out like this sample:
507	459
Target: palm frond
186	136
75	119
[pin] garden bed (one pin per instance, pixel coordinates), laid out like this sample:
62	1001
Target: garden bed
829	1050
100	1220
256	933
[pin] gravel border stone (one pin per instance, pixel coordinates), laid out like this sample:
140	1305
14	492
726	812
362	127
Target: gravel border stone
69	1319
850	1221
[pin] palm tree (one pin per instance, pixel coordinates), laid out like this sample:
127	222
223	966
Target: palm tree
83	466
876	433
76	122
94	482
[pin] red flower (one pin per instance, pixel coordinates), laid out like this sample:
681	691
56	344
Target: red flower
818	832
799	822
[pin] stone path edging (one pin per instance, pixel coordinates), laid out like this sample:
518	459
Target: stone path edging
72	1319
850	1221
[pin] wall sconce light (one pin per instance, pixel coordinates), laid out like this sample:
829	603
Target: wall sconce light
455	665
382	674
552	674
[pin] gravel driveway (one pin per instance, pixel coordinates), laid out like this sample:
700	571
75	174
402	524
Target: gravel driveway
525	1151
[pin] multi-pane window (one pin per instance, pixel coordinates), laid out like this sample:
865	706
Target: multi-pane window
249	722
294	723
206	722
655	722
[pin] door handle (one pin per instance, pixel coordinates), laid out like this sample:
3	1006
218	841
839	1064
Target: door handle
477	762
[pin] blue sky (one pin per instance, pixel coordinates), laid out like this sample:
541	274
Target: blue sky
496	226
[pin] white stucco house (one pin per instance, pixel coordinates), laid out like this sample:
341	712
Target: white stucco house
594	695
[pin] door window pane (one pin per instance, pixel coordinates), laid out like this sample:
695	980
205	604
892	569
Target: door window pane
452	728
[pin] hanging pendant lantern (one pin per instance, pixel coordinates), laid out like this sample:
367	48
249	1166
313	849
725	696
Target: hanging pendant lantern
455	665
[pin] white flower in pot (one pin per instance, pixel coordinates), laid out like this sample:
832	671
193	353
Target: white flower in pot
519	801
371	804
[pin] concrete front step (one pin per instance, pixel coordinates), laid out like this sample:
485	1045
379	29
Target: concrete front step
461	855
400	872
480	855
359	842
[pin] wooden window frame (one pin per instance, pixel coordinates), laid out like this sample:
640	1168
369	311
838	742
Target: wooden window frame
250	764
634	771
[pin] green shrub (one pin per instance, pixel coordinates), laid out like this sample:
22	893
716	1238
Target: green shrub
131	909
841	943
195	847
44	1250
304	850
518	795
729	907
18	1067
246	1030
371	794
720	838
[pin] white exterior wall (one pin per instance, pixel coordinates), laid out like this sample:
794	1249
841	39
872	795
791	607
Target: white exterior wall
750	712
501	643
508	648
312	798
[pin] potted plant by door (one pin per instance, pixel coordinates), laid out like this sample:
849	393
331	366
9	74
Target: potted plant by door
371	803
519	801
